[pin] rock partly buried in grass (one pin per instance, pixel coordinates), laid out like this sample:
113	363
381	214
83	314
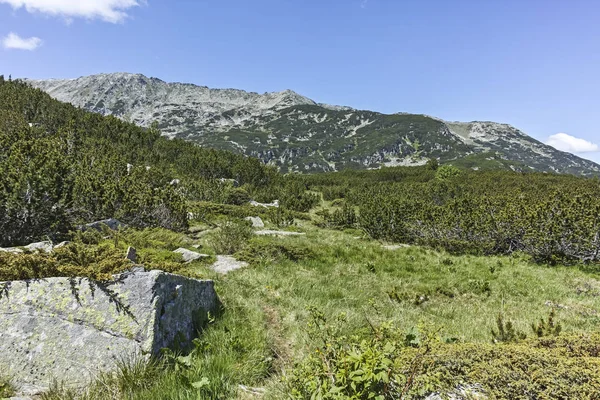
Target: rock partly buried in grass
45	247
395	246
227	264
71	329
268	232
257	222
265	205
189	256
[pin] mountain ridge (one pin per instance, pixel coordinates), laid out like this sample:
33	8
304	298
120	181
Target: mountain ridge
296	133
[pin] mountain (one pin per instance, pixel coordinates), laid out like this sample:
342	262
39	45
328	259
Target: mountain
296	133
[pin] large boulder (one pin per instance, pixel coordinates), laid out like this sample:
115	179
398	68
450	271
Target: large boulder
71	329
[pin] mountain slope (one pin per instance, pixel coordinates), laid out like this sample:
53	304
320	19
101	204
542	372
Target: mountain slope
297	134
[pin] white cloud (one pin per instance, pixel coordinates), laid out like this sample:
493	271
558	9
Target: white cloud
14	41
108	10
363	3
565	142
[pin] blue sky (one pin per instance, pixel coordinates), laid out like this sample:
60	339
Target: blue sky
532	63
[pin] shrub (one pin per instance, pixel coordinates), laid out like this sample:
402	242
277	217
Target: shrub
232	236
548	327
388	364
280	217
343	367
259	250
73	260
506	331
6	388
237	196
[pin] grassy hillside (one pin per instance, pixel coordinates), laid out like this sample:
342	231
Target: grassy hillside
303	298
408	281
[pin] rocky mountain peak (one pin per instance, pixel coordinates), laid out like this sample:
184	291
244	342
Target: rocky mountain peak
296	133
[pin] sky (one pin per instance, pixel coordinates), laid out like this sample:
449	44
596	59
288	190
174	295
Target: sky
534	64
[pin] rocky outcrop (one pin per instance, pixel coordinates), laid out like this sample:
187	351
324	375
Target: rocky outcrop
71	329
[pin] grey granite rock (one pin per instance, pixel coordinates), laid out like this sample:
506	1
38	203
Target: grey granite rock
189	256
131	254
225	264
71	329
269	232
14	250
45	247
257	222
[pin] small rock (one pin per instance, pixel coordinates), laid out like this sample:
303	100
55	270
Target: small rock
395	246
230	181
196	246
257	222
14	250
62	244
138	269
552	304
252	390
265	205
227	264
46	247
268	232
131	254
188	255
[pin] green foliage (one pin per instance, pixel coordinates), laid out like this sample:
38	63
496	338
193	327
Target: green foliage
260	251
445	172
552	218
6	388
343	367
129	378
295	197
204	211
237	196
231	237
506	331
61	166
280	217
344	217
553	368
547	327
72	260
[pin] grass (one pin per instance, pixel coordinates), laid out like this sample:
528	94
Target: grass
262	333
